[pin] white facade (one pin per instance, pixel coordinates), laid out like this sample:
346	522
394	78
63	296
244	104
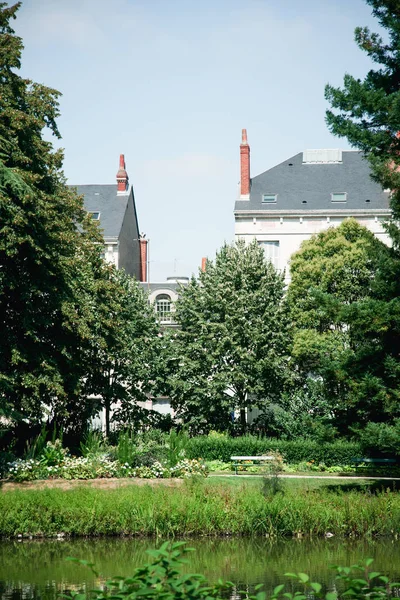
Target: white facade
283	232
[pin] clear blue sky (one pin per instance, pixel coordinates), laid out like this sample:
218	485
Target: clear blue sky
171	83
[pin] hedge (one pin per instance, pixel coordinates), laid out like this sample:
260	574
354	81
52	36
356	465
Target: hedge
293	452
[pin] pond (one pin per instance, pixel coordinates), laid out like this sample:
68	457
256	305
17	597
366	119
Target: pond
38	569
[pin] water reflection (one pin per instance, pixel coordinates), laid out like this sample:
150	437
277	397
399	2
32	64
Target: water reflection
38	569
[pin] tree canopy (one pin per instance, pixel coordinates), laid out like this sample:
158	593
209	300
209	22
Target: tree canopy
230	349
72	327
345	327
367	112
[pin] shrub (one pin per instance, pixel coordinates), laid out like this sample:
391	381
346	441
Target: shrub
271	471
380	439
126	449
162	578
293	452
93	444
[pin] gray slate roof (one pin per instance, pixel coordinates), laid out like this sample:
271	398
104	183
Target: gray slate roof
314	184
166	285
112	207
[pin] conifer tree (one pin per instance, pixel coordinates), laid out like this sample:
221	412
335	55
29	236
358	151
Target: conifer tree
367	112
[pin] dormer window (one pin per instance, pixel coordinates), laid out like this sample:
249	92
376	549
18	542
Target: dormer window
269	198
339	197
95	215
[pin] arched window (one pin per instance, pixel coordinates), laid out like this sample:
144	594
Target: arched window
163	307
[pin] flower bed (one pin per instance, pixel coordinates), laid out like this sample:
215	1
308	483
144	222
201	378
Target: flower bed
56	463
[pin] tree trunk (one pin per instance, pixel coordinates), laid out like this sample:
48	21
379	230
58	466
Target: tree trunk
107	409
243	422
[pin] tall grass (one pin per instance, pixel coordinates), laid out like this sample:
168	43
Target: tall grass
197	509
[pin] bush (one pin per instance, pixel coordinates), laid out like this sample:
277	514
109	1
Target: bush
380	439
163	578
222	448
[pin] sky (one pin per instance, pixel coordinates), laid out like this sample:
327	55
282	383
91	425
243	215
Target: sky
171	83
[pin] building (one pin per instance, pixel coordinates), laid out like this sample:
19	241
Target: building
113	205
163	297
305	194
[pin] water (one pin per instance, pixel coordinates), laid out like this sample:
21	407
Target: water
38	569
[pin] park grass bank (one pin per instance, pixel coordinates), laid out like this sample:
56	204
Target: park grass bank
199	508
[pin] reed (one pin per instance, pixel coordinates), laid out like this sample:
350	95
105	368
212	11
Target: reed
199	509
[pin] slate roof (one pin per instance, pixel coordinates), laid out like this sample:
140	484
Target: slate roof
164	285
112	207
295	182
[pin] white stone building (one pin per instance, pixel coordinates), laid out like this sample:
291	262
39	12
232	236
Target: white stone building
304	195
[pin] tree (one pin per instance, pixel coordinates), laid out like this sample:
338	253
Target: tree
230	348
343	334
125	348
50	260
367	112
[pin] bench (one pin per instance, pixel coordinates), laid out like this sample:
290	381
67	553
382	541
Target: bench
248	461
368	463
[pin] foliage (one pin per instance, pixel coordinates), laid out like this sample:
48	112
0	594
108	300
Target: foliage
230	348
126	448
177	443
292	451
303	412
163	578
53	454
212	509
127	335
343	337
49	253
367	112
272	484
56	462
93	444
378	439
357	581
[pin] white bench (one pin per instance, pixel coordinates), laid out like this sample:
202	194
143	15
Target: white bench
250	460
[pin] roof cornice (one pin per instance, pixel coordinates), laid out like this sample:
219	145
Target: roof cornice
373	212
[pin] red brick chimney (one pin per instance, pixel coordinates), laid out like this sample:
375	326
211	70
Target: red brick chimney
244	167
122	176
143	257
203	263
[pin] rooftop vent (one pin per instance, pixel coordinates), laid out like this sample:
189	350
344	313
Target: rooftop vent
322	157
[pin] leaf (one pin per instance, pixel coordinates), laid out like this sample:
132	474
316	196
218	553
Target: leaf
303	577
369	561
278	589
316	586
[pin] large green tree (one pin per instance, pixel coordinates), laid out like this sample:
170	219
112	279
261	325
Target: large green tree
345	333
125	349
367	112
49	252
230	349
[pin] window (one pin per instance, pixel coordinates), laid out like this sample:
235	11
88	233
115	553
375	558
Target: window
339	196
269	198
95	215
271	251
163	307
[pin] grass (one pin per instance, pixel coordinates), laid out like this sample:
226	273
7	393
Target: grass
210	508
